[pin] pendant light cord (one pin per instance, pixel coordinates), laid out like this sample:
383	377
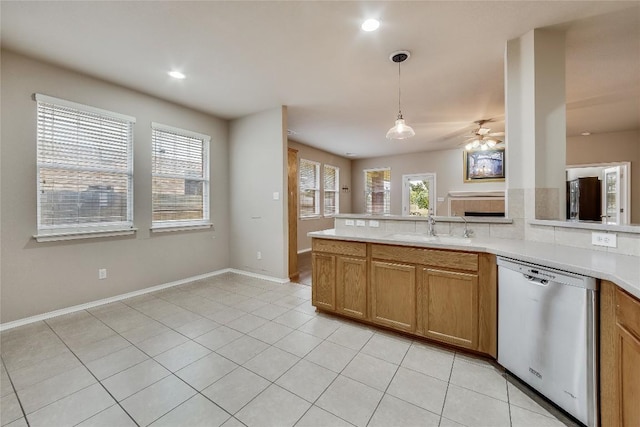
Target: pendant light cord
399	89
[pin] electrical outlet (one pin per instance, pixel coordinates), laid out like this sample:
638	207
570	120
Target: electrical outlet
102	273
360	223
348	222
609	240
373	223
259	255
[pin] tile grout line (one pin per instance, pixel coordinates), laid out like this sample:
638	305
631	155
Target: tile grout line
91	373
446	392
388	385
13	387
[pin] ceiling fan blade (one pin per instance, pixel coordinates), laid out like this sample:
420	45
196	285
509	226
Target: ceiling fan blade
495	134
483	131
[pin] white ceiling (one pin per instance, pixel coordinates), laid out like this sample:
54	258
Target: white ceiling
340	87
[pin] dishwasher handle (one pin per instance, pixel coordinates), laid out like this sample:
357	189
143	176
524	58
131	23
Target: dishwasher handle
536	280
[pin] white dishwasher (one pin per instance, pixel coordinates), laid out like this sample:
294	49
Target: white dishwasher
547	334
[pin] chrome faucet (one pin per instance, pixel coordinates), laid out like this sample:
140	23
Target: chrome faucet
431	221
466	234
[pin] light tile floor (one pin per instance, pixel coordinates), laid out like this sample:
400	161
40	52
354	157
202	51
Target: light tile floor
233	350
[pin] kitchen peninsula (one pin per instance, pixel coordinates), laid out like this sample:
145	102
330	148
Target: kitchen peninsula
386	271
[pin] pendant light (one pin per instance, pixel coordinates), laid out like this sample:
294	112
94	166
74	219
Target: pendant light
400	130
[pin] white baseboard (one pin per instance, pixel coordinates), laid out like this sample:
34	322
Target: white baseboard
92	304
304	251
258	276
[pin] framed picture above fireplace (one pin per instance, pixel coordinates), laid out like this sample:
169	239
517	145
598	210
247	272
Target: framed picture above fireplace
483	165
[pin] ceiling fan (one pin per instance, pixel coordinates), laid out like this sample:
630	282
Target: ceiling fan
482	138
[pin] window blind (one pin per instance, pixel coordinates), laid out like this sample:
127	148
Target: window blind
309	181
377	191
85	167
180	175
331	190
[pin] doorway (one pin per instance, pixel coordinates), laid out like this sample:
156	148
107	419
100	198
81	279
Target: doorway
419	194
615	188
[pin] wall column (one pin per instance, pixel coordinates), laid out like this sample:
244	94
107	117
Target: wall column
535	126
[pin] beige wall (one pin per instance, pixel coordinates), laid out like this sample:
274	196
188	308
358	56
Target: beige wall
258	160
314	224
446	164
608	148
41	277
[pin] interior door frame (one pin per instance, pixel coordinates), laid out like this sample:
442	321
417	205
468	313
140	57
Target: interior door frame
433	195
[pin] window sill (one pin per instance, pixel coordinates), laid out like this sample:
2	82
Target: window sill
75	235
305	218
180	227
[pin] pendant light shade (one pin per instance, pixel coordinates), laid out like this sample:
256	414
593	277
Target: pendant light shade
401	130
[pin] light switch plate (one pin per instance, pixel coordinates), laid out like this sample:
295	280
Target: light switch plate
276	196
348	222
609	240
360	223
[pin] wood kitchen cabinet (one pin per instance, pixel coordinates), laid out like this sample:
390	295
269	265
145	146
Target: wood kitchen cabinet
339	275
323	291
450	307
393	295
619	357
351	286
444	295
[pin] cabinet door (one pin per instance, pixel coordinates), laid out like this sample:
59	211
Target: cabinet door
323	288
450	307
351	286
393	295
628	361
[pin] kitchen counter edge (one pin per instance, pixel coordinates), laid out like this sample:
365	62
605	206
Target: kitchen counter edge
623	270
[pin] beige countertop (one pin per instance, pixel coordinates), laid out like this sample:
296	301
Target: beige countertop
623	270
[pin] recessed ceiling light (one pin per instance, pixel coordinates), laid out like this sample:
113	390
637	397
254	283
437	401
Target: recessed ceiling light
176	74
370	25
587	133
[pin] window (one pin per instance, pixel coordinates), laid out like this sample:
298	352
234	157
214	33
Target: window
377	191
85	168
331	190
309	188
180	172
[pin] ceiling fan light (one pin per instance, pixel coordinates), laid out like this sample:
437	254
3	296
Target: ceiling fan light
468	147
491	143
475	143
484	147
400	130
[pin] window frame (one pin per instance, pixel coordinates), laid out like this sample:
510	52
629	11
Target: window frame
71	231
316	189
184	224
336	191
386	203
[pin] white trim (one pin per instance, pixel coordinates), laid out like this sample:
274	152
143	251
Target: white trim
85	306
70	104
75	235
180	131
181	227
259	276
304	251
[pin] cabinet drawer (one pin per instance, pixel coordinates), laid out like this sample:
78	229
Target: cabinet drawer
439	258
628	312
340	247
